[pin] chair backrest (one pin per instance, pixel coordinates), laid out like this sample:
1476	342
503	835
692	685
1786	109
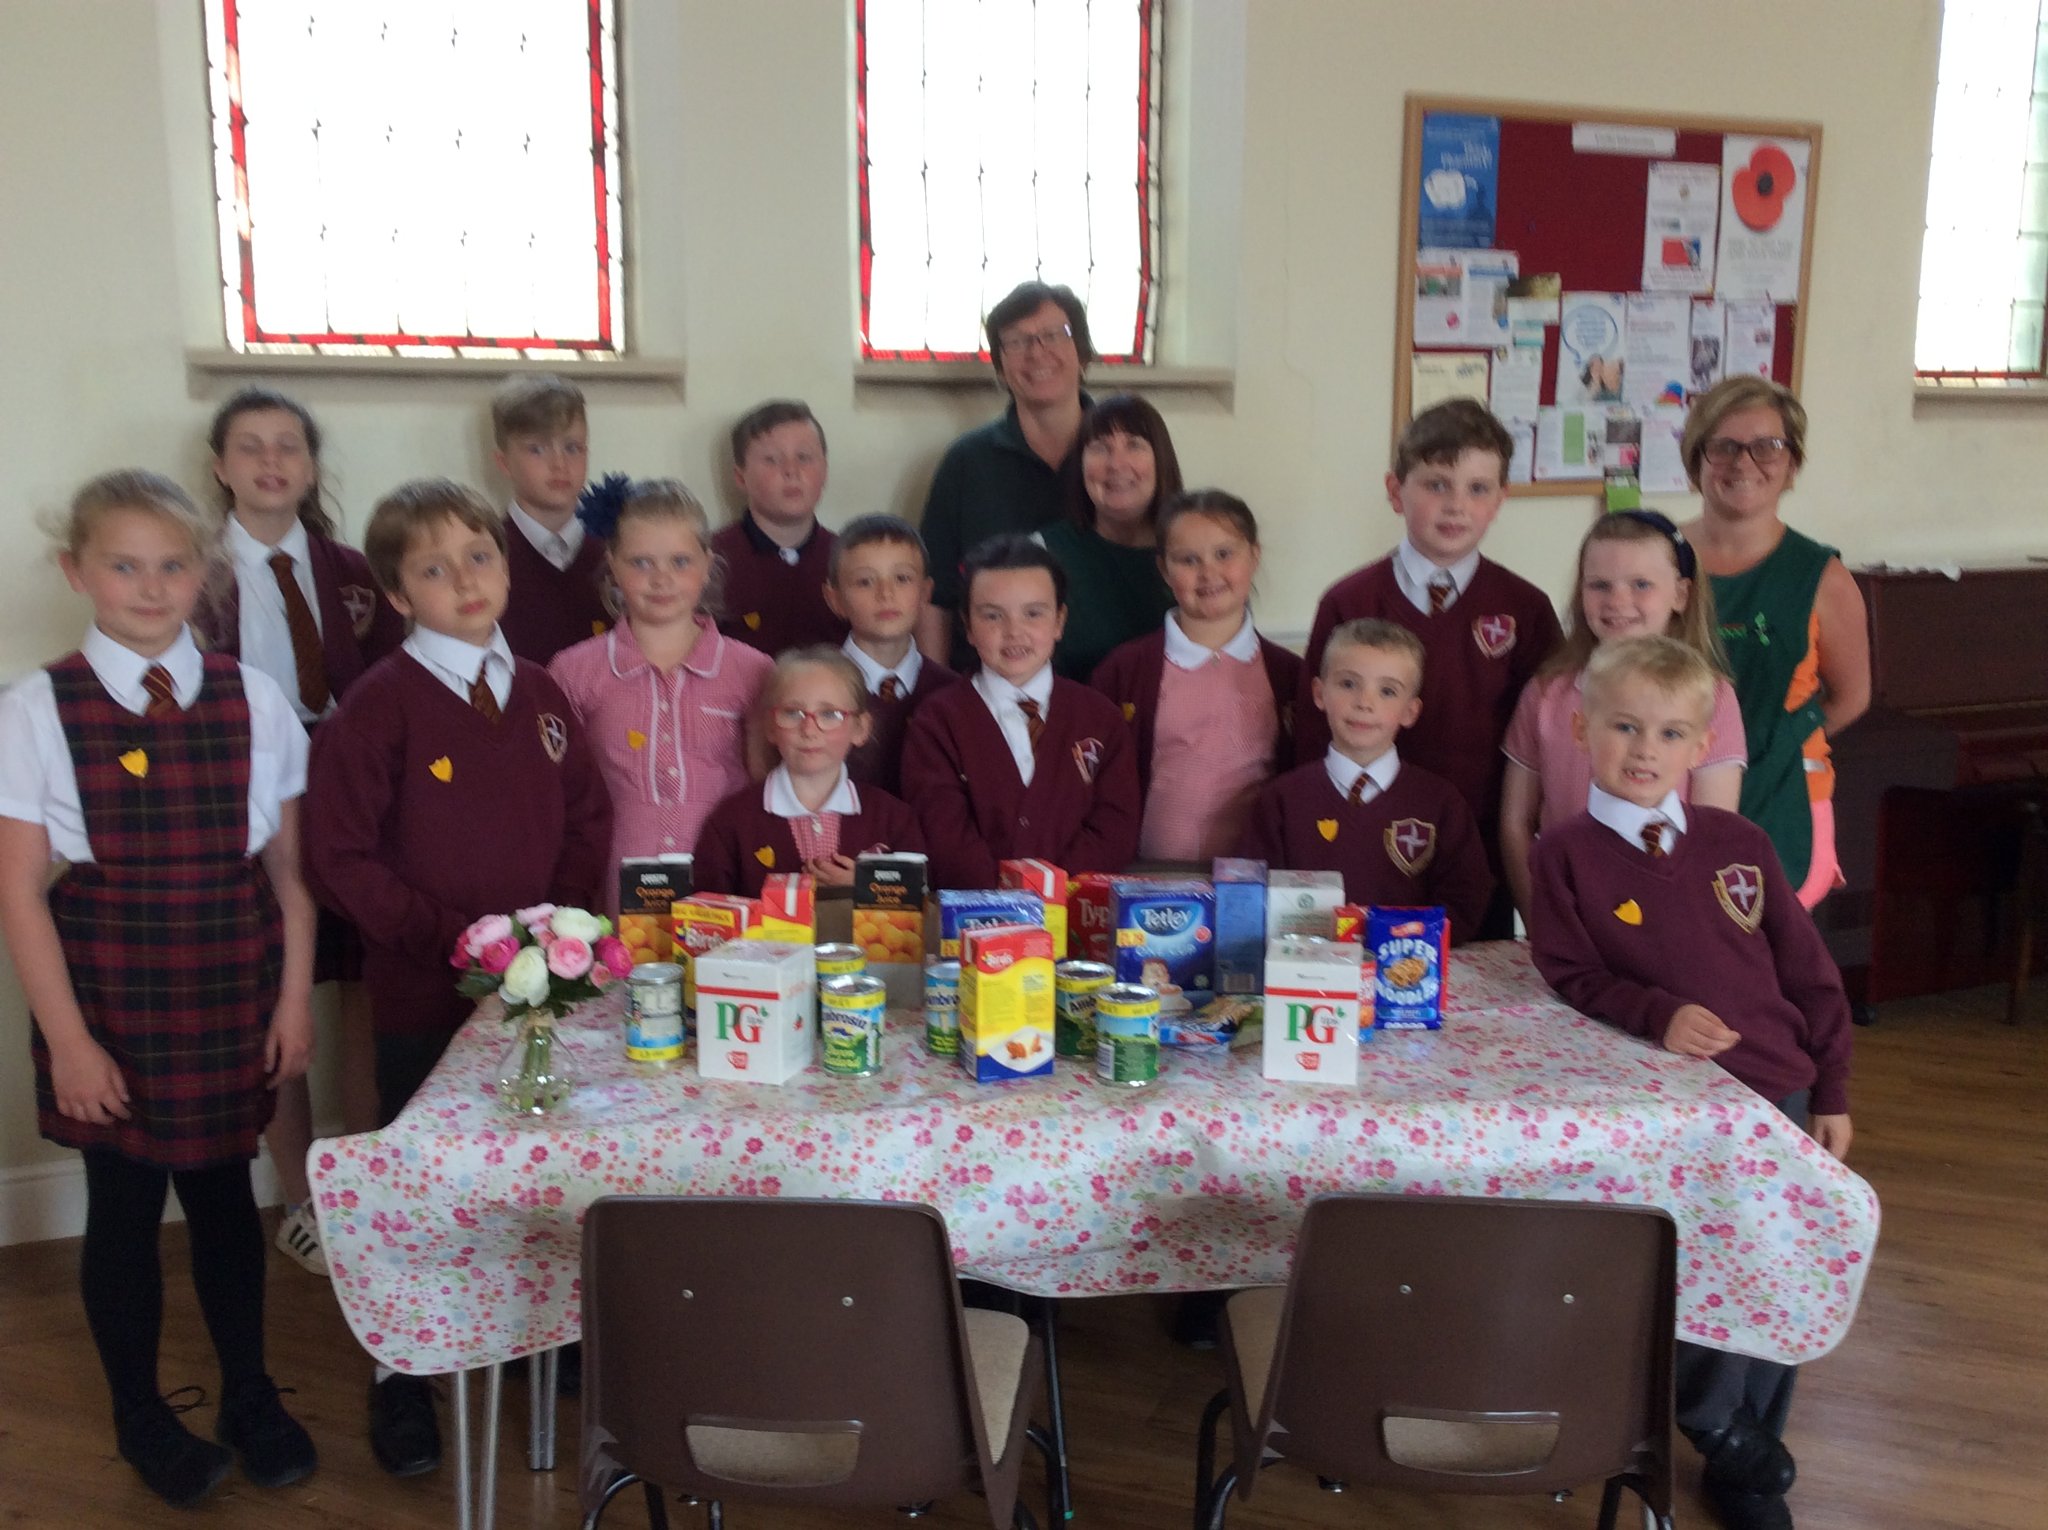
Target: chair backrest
777	1349
1475	1345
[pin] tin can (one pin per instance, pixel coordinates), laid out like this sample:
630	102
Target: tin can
841	960
1075	985
850	1024
1127	1035
654	1014
942	1009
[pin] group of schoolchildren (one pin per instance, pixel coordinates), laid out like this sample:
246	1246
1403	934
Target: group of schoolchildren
500	706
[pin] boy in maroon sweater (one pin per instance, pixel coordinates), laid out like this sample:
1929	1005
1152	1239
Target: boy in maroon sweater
451	783
557	574
777	557
1485	630
1017	763
1676	924
1399	833
879	584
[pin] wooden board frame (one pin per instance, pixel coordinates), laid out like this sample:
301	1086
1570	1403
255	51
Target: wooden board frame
1419	106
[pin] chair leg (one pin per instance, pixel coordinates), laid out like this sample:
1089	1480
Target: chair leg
1020	1517
1205	1454
1059	1485
657	1508
617	1486
715	1515
1610	1503
1219	1501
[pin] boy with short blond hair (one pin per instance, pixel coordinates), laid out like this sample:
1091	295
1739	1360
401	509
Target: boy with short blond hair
1400	834
777	557
1485	630
543	449
878	583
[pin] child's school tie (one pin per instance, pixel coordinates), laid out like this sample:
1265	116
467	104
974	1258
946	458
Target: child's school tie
1442	591
1653	838
307	656
892	689
163	693
481	697
1362	786
1034	719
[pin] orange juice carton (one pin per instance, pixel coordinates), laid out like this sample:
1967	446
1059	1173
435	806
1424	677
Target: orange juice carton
1410	949
1050	884
961	911
1165	935
1311	1031
1303	903
1006	1002
788	909
649	886
888	905
702	922
1240	924
755	1011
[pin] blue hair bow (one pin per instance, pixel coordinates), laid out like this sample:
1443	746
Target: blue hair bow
599	505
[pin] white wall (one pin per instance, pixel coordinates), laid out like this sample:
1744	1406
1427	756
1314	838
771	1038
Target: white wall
742	225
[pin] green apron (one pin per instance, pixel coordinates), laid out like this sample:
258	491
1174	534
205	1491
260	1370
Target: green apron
1765	614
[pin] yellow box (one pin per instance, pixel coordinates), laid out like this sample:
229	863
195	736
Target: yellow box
1006	1002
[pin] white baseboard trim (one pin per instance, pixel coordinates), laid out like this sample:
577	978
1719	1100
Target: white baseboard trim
42	1201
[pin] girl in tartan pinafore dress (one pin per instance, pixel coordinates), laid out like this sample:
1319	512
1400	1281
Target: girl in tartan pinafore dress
168	967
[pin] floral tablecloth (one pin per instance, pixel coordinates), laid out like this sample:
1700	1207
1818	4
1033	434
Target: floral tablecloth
453	1233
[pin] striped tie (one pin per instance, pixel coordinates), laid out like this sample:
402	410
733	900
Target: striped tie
1360	786
1653	839
163	693
481	697
1034	719
892	689
1442	591
307	656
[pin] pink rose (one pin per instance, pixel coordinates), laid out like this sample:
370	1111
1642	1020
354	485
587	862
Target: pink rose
495	957
537	916
569	959
487	929
613	953
600	975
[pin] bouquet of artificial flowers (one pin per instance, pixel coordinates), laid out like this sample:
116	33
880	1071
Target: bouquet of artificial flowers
542	962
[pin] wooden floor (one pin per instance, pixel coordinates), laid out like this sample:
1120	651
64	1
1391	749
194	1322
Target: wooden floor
1929	1415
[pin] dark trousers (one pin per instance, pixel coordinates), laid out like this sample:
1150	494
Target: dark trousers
404	1059
1713	1385
120	1270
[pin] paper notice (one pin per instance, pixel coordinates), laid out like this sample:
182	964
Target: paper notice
1590	348
1763	218
1568	443
1709	342
1522	466
1461	297
1657	348
1437	377
1752	338
1517	391
1678	227
1663	469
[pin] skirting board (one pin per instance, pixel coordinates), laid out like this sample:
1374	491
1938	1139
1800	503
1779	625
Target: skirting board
47	1200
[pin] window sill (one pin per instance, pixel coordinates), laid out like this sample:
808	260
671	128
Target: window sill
1982	390
641	371
1102	377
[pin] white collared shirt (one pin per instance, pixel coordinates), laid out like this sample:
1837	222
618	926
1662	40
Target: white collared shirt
1001	698
38	783
455	663
906	673
1413	573
558	547
1186	653
778	796
1627	819
1344	770
265	629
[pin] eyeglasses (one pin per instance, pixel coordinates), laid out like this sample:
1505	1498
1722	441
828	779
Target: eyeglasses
1036	340
1764	451
827	719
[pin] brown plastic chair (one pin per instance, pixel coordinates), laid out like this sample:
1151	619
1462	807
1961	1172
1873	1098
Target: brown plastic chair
791	1351
1460	1345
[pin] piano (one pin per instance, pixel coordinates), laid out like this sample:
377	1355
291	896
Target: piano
1932	783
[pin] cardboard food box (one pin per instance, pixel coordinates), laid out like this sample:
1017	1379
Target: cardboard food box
1164	934
888	906
1049	883
702	922
1311	1028
963	910
1240	924
1006	1003
788	909
1303	903
1089	931
649	887
1410	949
755	1011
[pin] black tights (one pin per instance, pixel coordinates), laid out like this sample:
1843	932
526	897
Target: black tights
120	1271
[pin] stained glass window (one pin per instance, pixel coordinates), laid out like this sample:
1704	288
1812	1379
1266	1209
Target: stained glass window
1000	141
417	176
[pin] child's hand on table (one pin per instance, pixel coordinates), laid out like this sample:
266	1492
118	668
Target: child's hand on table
1696	1031
1832	1133
836	872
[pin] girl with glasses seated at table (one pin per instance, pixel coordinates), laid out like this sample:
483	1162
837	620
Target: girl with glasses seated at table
808	816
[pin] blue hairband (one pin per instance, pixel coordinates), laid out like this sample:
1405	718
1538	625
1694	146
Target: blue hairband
599	505
1665	527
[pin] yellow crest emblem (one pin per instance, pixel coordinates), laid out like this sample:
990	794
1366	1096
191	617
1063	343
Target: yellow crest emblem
442	769
1327	827
136	763
766	856
1629	912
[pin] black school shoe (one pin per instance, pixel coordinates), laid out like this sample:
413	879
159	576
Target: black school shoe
405	1437
1747	1458
175	1464
1738	1510
274	1447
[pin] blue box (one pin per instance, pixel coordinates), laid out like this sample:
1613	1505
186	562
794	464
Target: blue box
1240	925
961	909
1163	935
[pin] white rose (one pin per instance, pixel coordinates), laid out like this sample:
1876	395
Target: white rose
526	980
576	924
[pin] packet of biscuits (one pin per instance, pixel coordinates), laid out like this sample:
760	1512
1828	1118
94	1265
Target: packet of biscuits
1409	950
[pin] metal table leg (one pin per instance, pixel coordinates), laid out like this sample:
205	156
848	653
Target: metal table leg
542	1386
1063	1496
476	1476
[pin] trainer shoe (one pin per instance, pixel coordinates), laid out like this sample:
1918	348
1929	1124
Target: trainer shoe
178	1466
274	1447
298	1239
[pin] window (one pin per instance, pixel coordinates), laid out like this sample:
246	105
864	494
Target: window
417	176
1984	266
1002	140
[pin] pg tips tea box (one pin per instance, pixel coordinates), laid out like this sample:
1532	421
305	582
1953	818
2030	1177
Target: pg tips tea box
1049	884
1006	1003
649	886
755	1011
888	906
1410	949
1311	1032
1164	936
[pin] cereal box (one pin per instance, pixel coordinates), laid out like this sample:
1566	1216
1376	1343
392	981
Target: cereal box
649	886
1410	948
1006	1002
755	1002
888	906
961	911
1303	903
1349	920
704	921
1240	925
1165	939
1050	884
788	909
1311	1031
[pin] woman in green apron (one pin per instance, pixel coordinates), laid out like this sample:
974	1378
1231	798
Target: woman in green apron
1791	617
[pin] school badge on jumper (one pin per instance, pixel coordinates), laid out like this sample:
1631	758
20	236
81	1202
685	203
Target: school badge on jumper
1495	635
635	739
136	763
1630	912
1411	845
361	605
1130	710
753	621
554	736
1327	827
1088	758
1740	891
442	769
766	856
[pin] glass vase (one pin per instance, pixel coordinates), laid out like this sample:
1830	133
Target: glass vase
535	1075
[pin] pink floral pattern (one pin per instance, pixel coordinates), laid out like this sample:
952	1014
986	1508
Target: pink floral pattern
453	1233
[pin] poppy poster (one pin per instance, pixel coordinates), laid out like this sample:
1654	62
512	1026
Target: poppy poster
1763	218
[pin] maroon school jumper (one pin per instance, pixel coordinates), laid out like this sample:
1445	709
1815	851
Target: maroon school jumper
1132	674
423	815
172	936
770	603
1080	812
1628	939
550	609
879	761
1480	653
1414	843
729	849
